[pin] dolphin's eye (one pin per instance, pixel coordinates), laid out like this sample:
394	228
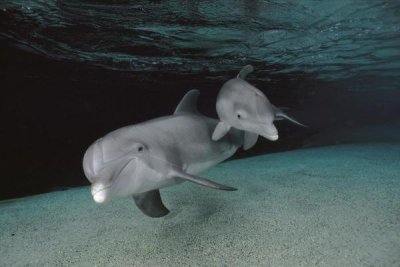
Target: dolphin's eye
140	149
241	114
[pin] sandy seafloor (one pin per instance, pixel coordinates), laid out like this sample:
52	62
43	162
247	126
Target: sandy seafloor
327	206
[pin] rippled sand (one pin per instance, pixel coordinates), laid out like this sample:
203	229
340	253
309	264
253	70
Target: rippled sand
330	206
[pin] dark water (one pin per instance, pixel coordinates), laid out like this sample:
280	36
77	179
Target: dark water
74	70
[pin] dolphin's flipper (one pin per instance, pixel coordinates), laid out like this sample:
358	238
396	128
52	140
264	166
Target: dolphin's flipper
245	71
220	131
280	115
188	103
250	139
150	203
201	181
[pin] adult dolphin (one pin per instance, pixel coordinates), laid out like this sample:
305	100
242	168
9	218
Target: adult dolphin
242	106
138	160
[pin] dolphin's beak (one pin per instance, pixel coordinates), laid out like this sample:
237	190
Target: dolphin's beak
268	131
272	137
108	178
100	192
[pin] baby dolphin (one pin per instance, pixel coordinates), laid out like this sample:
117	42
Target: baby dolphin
242	106
140	159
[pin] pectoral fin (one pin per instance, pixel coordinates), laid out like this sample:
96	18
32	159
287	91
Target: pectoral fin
201	181
220	131
150	203
280	115
250	139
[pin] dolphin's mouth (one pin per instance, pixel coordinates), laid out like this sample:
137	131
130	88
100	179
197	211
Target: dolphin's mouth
273	137
269	132
102	191
268	135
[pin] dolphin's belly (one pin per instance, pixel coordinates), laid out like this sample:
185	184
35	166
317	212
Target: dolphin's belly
201	166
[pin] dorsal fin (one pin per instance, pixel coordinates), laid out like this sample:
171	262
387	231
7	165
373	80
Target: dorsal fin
245	71
188	103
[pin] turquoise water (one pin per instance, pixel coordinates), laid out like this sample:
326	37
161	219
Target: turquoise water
327	195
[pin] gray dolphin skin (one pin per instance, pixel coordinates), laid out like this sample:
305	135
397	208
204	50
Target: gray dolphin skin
140	159
242	106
